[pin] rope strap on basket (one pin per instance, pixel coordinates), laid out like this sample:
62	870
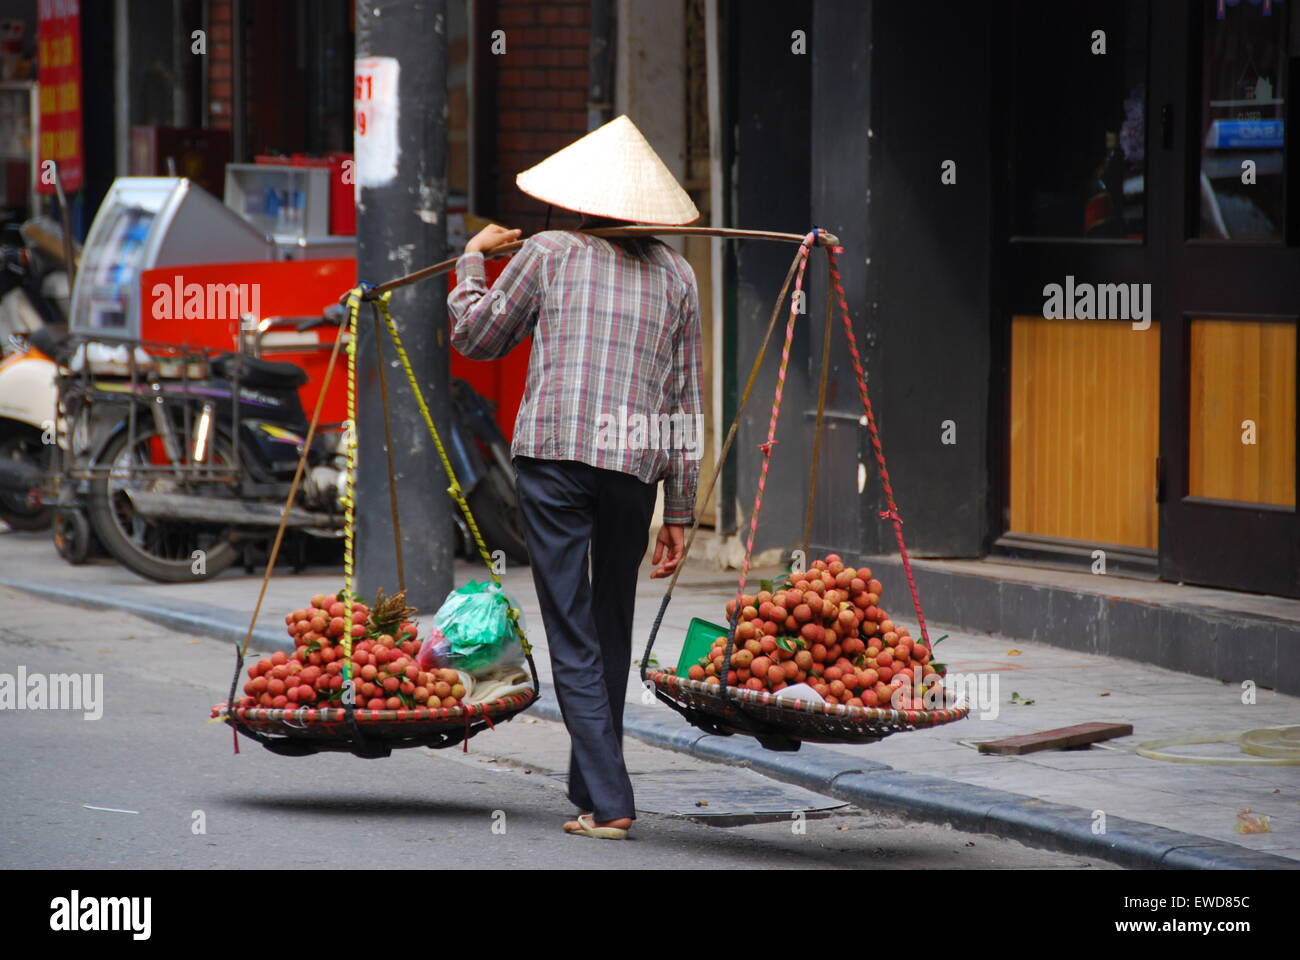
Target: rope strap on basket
380	304
835	295
796	301
717	472
349	504
241	651
454	488
348	331
860	376
892	513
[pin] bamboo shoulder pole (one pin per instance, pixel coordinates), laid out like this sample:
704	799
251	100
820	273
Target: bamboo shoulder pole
823	239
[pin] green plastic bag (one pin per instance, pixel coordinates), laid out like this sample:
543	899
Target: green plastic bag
475	619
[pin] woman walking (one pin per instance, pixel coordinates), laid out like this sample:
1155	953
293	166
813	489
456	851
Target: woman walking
611	407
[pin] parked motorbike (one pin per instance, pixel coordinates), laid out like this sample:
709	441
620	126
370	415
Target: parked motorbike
191	468
27	416
33	282
33	305
178	457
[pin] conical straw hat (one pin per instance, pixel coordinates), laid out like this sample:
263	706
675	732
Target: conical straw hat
611	172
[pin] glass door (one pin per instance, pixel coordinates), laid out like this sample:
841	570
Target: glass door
1229	346
1080	344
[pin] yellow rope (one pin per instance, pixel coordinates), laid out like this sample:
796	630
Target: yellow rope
454	489
349	503
349	500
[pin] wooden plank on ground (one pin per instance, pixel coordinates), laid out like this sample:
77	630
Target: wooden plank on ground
1075	736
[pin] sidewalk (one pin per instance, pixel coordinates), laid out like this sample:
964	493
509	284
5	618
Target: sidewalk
1218	634
1156	813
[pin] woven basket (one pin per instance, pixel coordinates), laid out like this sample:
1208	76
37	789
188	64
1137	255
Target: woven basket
313	729
755	712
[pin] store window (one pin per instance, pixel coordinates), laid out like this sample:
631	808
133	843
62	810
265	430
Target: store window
1243	101
1079	119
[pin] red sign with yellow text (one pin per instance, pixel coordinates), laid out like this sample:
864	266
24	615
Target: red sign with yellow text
58	32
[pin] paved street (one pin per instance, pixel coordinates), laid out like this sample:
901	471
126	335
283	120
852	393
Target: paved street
153	753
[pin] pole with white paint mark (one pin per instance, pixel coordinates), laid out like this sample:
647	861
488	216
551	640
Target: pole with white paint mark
400	136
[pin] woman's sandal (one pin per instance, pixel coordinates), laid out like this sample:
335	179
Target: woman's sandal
588	828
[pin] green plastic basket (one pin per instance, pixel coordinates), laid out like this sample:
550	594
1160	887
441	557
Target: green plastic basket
699	640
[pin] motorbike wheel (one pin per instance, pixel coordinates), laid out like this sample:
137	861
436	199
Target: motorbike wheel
496	511
72	536
162	550
23	444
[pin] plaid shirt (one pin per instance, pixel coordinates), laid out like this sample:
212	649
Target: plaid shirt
614	375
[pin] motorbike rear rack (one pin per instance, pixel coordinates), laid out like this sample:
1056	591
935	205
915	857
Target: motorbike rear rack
105	380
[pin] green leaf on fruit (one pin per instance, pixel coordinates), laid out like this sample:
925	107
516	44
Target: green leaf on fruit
784	644
766	585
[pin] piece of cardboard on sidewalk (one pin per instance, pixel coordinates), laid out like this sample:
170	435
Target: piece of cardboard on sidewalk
1075	736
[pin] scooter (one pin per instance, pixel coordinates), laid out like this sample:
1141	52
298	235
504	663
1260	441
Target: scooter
33	282
33	306
192	473
27	416
183	466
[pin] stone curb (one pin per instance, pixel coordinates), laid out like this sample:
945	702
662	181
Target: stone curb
192	617
877	786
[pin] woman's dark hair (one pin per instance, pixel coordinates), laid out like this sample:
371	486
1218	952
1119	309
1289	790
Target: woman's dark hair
638	247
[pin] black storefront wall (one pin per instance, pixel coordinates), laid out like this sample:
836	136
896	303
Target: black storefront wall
896	91
842	201
768	114
893	91
930	271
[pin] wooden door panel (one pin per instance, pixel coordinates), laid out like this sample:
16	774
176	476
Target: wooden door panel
1242	411
1084	430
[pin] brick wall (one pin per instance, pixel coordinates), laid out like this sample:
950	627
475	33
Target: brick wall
541	96
220	61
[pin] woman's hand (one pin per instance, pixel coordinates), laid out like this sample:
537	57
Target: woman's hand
491	237
669	547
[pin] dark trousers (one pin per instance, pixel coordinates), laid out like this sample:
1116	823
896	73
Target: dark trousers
576	516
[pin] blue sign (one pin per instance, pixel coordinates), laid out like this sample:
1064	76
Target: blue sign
1230	134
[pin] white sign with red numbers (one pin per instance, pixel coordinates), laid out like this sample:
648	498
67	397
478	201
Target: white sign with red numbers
376	105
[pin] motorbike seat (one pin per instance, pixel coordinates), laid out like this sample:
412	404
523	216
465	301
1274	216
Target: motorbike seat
255	372
50	339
